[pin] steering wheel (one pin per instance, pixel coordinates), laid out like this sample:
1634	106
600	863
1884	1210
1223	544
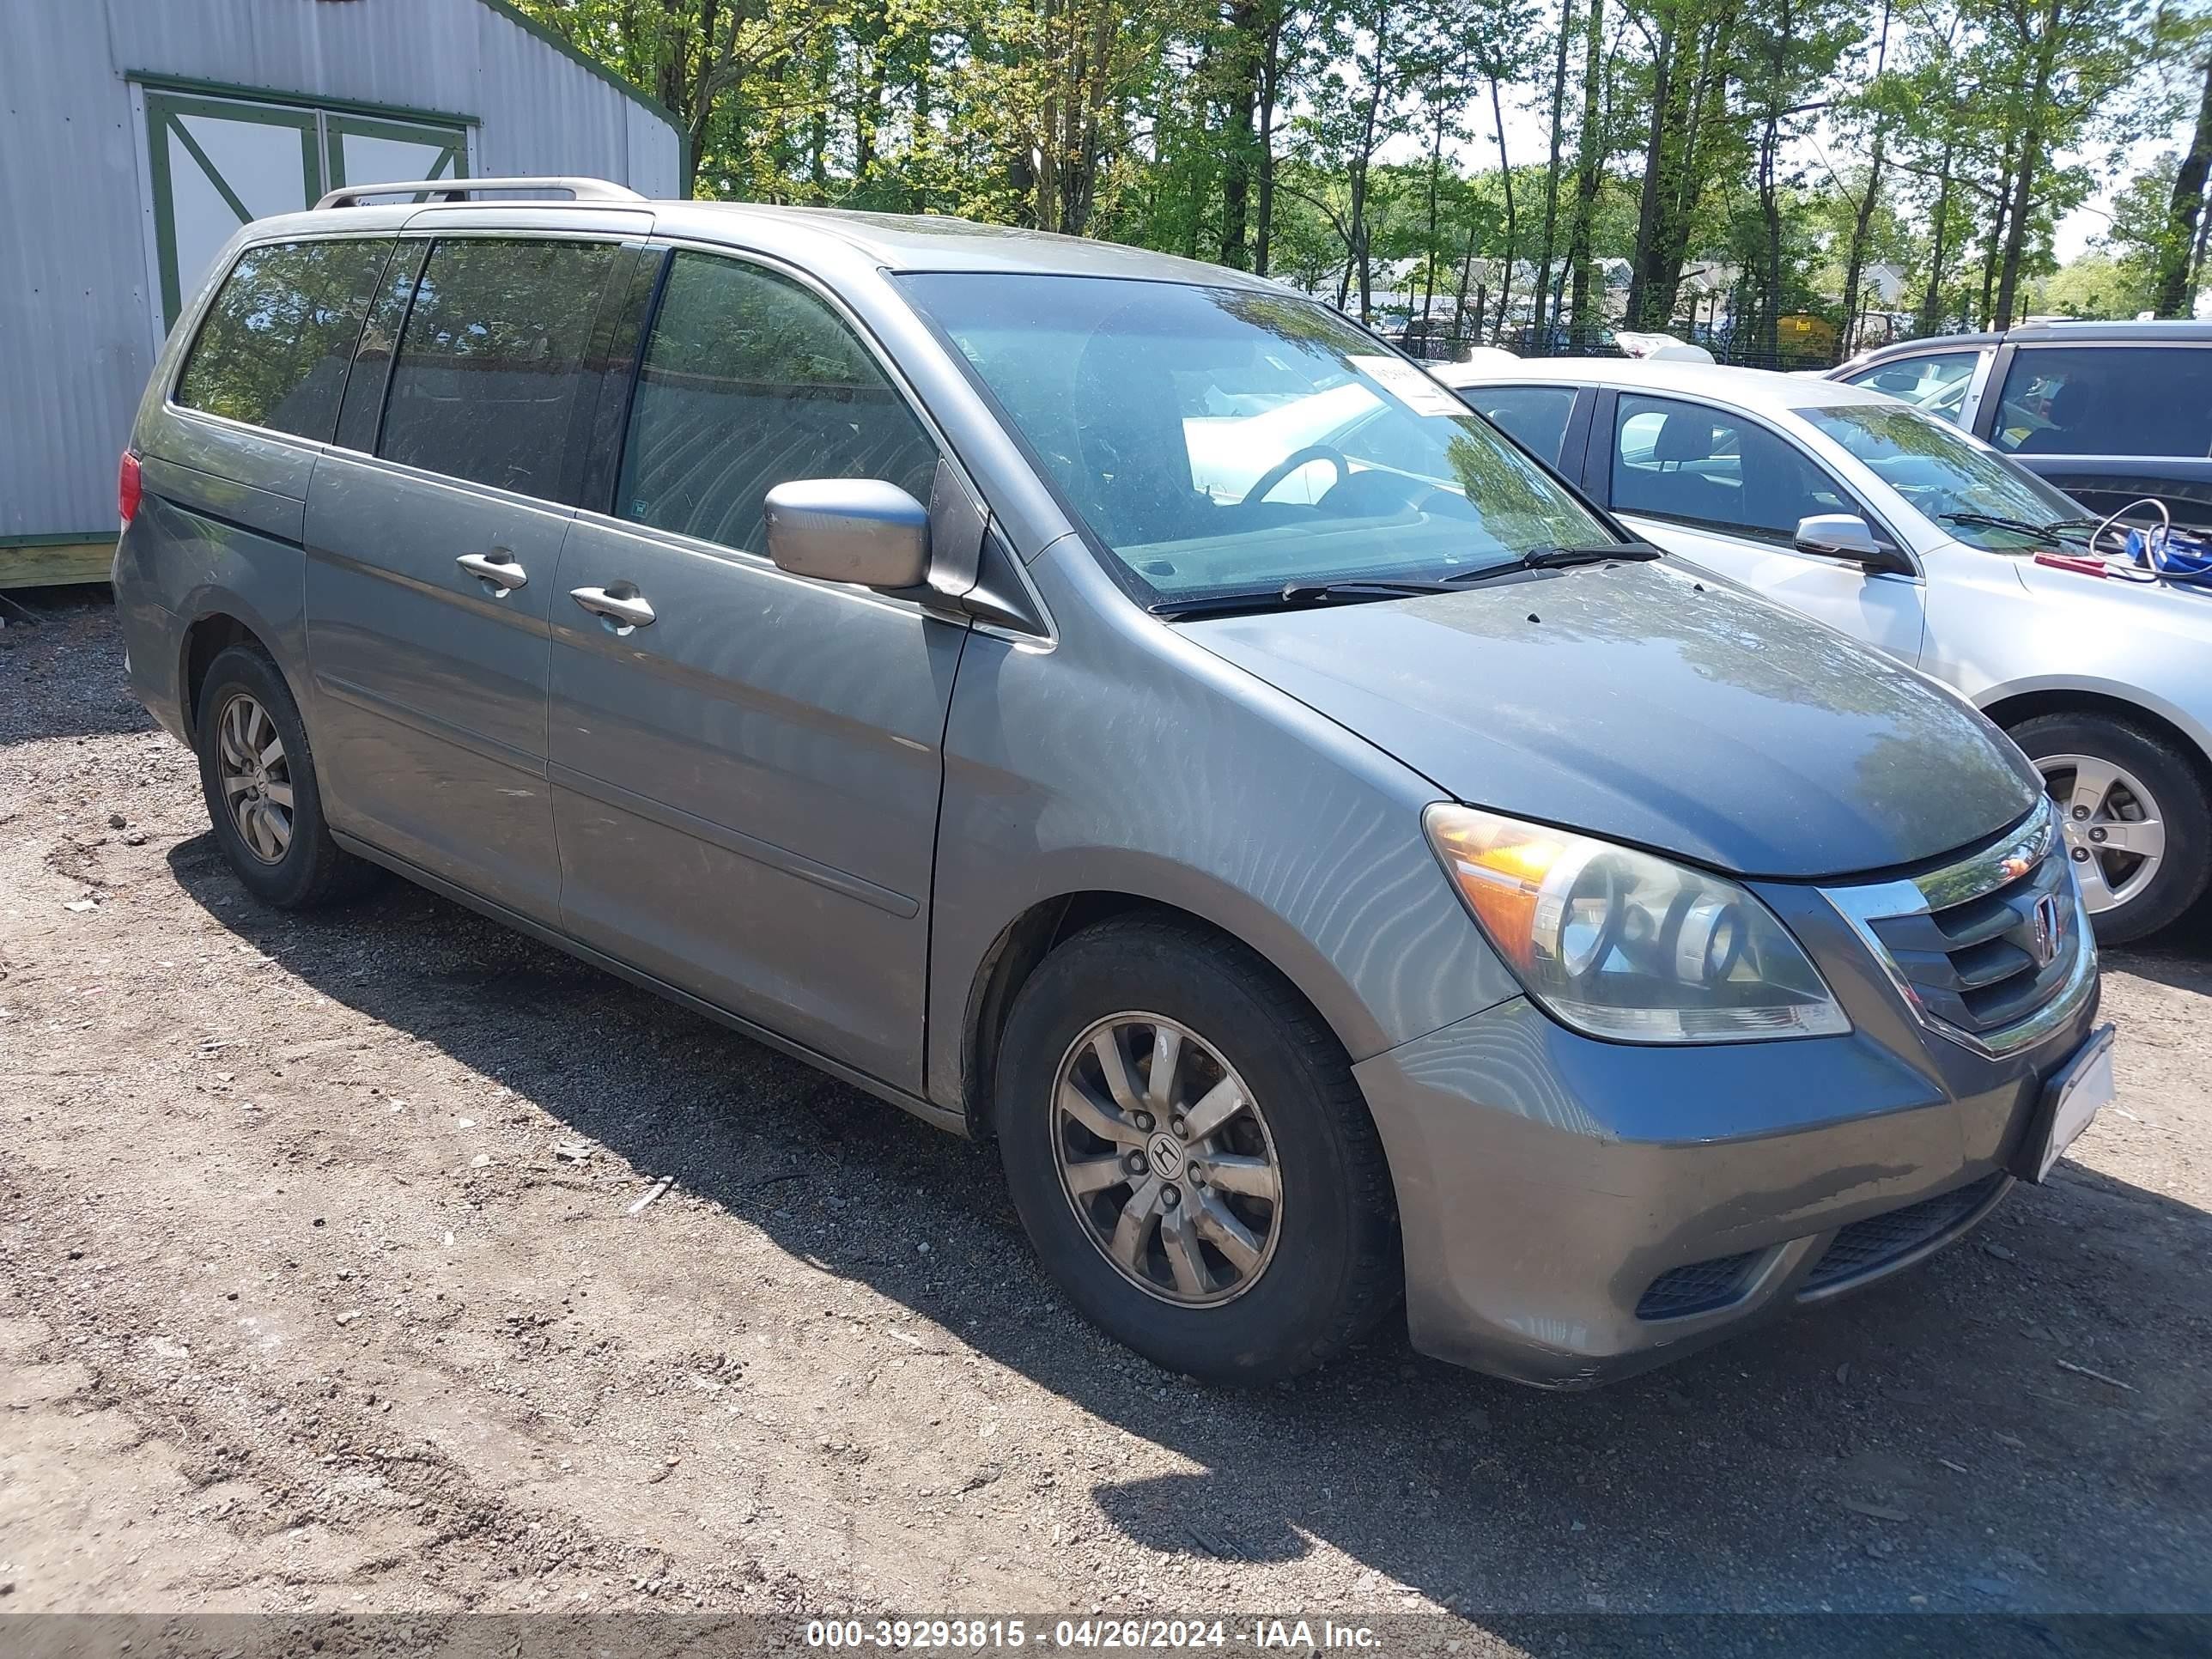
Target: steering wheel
1290	463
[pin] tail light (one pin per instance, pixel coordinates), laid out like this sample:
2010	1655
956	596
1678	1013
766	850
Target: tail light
127	488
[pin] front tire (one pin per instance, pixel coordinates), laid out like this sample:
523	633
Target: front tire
1191	1156
258	777
2137	818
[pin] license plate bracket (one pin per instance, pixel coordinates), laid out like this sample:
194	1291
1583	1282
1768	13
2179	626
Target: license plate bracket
2072	1096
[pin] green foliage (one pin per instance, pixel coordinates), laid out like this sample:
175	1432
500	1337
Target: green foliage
1775	148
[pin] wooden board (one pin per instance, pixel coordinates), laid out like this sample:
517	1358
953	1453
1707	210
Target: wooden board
56	562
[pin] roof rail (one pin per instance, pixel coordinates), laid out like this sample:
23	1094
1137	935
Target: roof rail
447	189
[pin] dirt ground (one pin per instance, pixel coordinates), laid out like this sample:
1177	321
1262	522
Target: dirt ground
322	1285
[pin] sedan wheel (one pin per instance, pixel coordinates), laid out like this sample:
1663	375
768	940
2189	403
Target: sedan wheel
2115	833
257	777
1167	1160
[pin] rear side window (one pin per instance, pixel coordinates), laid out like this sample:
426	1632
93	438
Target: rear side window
2106	400
274	349
750	381
488	371
1535	415
1935	385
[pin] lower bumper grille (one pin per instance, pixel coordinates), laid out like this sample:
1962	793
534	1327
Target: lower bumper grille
1867	1247
1699	1288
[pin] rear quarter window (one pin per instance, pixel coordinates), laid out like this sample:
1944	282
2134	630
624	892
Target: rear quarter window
274	349
1535	415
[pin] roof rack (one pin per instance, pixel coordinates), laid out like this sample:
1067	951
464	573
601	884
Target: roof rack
447	189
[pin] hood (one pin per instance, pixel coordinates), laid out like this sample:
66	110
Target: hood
1631	701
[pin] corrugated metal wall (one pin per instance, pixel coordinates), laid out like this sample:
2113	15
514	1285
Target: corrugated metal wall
78	315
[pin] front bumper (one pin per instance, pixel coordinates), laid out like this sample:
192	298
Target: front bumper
1575	1211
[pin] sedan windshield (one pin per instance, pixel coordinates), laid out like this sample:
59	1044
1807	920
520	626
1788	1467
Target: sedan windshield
1224	440
1952	480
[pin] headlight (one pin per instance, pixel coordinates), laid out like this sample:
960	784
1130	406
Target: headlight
1622	944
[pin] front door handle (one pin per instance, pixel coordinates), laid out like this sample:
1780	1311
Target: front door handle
499	569
623	611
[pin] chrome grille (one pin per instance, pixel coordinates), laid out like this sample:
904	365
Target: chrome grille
1992	949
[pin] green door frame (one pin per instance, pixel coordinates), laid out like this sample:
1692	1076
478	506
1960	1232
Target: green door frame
322	164
162	109
452	162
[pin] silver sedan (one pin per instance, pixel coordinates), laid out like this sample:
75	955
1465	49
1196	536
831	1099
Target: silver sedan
1857	508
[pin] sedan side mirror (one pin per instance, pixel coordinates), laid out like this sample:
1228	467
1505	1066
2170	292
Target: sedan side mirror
1841	535
849	529
1847	536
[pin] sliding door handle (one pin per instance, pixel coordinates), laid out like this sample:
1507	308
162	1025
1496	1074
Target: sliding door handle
622	610
499	569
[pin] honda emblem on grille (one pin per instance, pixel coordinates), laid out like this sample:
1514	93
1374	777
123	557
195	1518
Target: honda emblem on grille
2043	943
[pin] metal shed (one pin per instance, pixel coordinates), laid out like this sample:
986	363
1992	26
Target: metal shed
136	135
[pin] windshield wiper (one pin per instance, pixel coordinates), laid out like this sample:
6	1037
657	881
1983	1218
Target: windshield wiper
1559	558
2048	534
1293	596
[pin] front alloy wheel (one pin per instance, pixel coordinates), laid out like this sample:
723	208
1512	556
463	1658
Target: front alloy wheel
1191	1154
2114	833
1166	1157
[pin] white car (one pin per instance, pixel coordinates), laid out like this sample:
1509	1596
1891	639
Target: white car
1859	509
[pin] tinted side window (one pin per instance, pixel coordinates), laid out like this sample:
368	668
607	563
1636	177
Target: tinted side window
1677	460
749	381
1535	414
274	349
1935	385
488	371
2106	400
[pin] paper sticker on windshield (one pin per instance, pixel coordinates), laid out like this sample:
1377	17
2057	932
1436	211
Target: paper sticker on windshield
1408	386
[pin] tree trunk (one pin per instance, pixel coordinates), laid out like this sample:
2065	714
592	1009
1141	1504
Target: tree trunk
1552	177
1932	299
1647	201
1589	163
1366	152
2030	152
1435	168
1854	263
1270	72
2176	293
1237	150
1512	233
1770	212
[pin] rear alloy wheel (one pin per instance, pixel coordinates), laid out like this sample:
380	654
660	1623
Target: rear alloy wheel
258	778
2135	817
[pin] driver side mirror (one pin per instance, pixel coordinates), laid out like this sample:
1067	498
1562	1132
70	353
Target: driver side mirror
1847	536
849	529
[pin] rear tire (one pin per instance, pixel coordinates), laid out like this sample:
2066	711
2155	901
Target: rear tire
2138	818
1235	1242
258	777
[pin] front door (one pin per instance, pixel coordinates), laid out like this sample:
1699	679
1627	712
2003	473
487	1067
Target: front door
1727	494
746	764
432	562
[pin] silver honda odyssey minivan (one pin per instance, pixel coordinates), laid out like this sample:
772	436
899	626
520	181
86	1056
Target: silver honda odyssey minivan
1118	707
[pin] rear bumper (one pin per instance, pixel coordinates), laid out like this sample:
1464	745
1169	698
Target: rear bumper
1577	1211
153	644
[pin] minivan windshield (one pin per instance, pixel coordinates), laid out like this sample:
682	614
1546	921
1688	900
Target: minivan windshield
1950	477
1226	440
